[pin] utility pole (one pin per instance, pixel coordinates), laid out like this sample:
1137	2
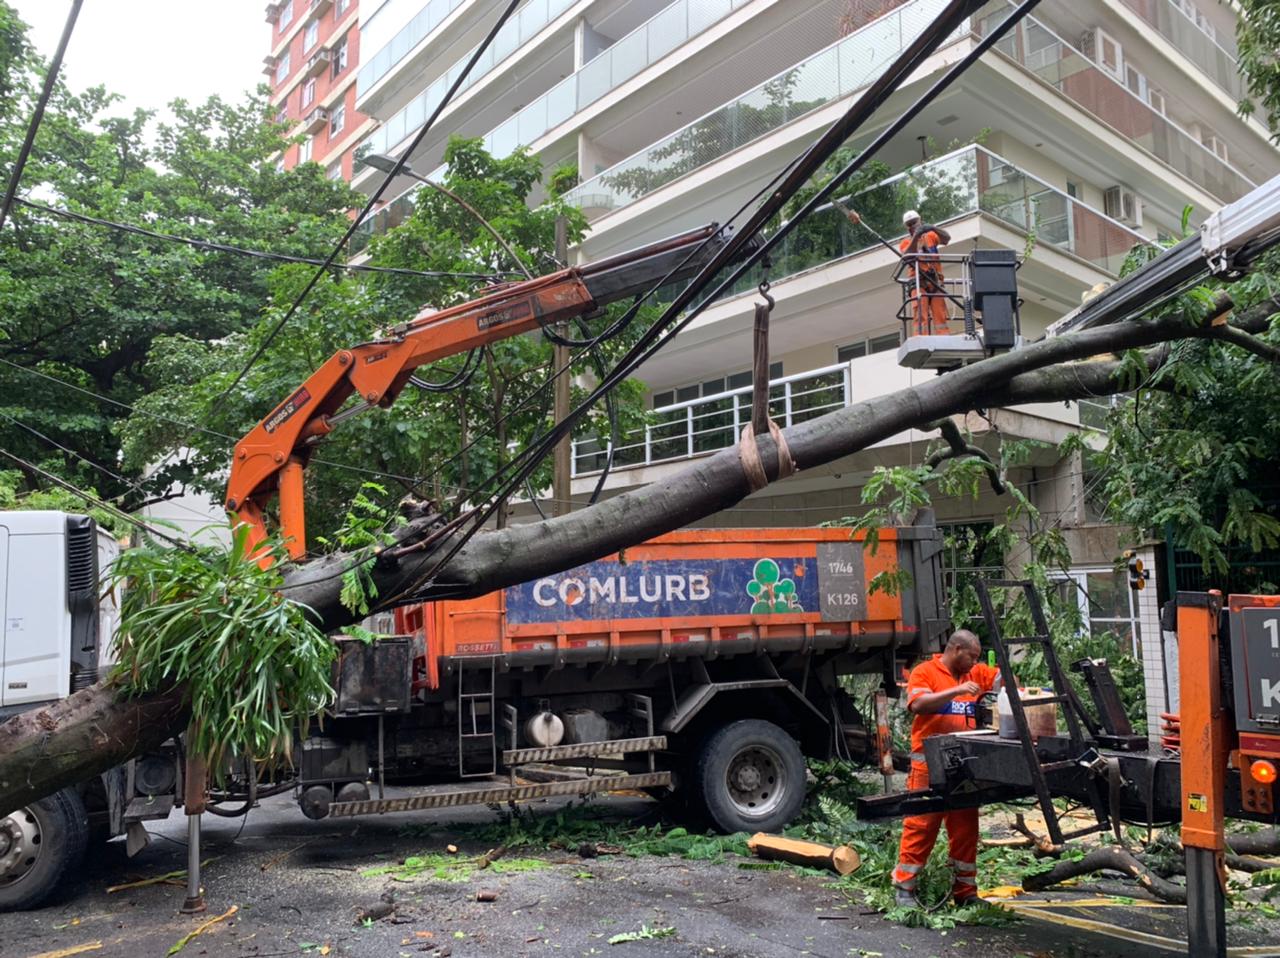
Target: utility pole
560	485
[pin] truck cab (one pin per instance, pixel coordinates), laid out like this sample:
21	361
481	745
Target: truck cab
58	619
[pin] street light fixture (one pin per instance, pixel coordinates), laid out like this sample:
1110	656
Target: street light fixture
387	164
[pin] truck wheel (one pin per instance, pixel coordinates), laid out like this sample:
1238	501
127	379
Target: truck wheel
750	777
38	845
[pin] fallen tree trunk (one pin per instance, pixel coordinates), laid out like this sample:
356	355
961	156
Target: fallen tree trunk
45	749
1049	370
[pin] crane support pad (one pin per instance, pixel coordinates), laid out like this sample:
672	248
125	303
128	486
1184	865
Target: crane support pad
499	794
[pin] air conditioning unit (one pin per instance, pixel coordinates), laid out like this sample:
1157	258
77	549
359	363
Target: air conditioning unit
1121	203
315	120
1104	50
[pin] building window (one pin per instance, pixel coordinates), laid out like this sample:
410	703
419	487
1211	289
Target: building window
1106	604
282	69
311	35
339	8
865	347
308	93
340	57
336	120
1156	99
286	15
280	165
304	151
334	170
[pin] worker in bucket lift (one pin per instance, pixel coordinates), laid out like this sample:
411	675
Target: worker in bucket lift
941	694
927	291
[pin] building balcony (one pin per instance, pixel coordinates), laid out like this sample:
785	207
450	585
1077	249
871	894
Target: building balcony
638	50
404	42
516	33
315	121
1214	53
1136	116
317	63
318	8
683	431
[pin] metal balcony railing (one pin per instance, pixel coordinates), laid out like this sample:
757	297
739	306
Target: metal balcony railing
710	423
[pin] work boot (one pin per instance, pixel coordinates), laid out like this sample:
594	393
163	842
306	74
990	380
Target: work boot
905	898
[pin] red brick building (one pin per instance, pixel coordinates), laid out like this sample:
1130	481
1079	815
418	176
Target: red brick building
315	49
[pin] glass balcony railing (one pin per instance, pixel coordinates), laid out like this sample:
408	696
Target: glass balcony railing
1041	51
830	74
411	34
1183	25
968	181
705	425
639	49
519	30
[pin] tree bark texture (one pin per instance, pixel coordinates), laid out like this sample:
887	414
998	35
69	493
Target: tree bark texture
1109	858
70	741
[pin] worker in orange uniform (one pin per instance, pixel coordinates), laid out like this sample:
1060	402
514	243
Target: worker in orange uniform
941	694
928	293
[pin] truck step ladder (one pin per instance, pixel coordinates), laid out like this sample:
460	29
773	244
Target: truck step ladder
477	721
1063	694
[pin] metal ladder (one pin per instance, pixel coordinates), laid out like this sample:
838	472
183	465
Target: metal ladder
1063	694
476	725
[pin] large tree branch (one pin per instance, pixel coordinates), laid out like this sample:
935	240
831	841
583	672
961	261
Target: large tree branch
1043	371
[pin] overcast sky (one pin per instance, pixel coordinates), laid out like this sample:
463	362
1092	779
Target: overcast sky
153	51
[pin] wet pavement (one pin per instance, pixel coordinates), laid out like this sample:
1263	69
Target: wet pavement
299	888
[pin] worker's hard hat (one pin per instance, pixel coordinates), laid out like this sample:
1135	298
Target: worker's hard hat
909	217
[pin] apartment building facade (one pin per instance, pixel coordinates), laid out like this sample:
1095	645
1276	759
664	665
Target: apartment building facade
312	68
1087	130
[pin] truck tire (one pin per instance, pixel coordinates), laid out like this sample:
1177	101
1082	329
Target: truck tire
749	776
38	845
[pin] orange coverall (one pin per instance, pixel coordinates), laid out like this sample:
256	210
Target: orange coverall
930	310
919	832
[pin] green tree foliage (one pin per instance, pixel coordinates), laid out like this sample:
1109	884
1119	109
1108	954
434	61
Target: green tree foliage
87	304
189	614
1258	39
452	441
1190	455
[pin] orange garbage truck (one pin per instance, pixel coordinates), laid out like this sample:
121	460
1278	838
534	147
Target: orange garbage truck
705	664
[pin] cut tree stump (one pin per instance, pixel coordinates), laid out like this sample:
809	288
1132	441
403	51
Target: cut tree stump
841	859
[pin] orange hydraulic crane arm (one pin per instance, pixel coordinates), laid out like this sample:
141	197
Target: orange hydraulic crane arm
271	459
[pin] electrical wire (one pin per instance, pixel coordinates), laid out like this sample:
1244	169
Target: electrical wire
817	153
134	486
256	254
373	200
50	80
95	501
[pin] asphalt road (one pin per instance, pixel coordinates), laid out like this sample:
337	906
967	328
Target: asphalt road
298	889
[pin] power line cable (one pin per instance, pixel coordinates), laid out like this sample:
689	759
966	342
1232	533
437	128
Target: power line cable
257	254
817	153
373	200
95	501
50	80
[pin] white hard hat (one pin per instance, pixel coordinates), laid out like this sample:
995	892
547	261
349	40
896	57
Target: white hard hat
909	217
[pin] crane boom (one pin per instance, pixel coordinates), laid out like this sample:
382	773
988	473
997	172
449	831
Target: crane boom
271	459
